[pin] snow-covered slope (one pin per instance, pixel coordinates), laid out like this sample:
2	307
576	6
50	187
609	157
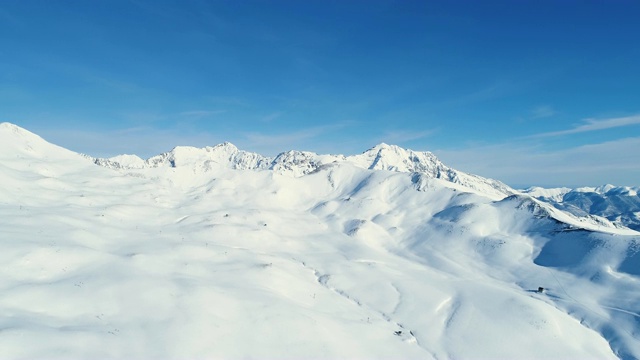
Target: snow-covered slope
619	204
207	261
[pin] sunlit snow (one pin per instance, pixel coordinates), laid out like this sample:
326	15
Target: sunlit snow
220	253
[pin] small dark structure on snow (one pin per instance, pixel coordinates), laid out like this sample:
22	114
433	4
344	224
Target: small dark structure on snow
540	289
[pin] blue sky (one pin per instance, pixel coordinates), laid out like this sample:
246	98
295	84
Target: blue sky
527	92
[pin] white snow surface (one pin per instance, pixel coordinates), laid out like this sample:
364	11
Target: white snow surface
618	204
220	253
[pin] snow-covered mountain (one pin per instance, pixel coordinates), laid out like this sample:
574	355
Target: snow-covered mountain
299	163
219	253
422	166
619	204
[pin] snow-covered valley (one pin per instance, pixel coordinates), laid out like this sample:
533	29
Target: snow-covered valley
220	253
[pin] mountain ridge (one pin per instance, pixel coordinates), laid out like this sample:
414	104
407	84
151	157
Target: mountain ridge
298	163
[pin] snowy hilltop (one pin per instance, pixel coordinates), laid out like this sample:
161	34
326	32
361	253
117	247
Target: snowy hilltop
222	253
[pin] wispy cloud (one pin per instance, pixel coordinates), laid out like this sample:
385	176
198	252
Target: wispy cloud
92	75
496	89
543	111
112	83
488	92
595	125
272	116
521	164
200	113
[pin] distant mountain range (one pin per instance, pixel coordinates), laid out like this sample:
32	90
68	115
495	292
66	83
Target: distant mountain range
619	204
299	163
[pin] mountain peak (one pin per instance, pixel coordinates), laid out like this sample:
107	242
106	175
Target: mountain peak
395	158
388	147
227	144
382	145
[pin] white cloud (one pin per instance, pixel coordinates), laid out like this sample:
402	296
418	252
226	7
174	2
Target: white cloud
595	125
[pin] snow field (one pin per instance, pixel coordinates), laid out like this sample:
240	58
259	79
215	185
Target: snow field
343	262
